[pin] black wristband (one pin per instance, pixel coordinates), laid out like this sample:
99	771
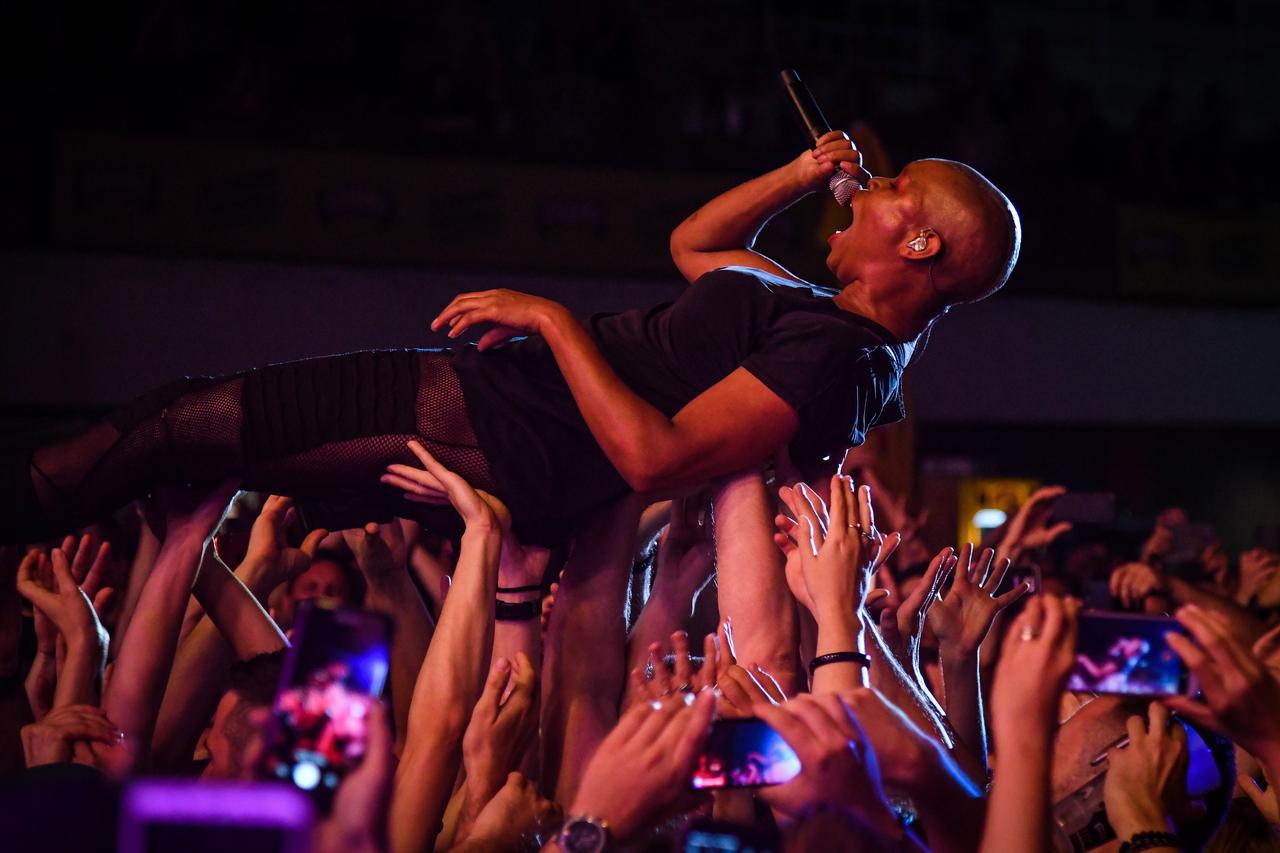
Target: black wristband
521	611
838	657
1148	840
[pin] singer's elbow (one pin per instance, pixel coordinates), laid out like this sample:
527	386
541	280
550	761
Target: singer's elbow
640	473
680	250
646	469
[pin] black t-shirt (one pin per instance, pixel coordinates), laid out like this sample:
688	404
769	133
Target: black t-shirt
839	371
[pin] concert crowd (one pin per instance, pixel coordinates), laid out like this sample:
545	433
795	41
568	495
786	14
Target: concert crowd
917	695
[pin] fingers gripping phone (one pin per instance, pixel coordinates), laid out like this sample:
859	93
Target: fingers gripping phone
332	677
744	753
1126	654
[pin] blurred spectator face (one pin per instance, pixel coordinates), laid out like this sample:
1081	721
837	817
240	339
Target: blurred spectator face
228	736
324	579
1089	560
1172	517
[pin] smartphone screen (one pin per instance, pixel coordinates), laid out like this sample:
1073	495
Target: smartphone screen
1126	654
332	676
744	753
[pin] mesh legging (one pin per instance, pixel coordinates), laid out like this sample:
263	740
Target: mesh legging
319	428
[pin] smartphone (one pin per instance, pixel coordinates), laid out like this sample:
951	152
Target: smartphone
718	836
161	815
1126	654
1028	573
332	677
745	753
1096	508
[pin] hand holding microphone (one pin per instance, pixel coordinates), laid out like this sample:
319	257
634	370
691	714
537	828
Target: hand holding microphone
834	160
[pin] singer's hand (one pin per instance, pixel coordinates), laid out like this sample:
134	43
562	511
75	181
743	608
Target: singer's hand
509	312
833	150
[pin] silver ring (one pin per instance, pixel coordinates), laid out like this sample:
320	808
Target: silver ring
1028	633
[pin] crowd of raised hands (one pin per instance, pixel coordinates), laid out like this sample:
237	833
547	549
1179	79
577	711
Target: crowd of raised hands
568	699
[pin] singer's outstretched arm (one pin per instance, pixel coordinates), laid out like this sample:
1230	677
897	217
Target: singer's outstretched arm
722	232
736	423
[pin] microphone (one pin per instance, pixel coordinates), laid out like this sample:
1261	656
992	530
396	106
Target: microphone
842	185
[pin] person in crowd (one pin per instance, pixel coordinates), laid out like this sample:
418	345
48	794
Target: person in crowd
498	733
330	577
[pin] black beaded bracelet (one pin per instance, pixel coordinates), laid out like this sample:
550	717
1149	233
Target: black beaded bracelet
519	611
1148	840
838	657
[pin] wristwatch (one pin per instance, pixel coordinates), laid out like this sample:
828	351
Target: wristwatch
583	834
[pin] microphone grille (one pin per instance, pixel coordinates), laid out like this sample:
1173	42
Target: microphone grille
842	186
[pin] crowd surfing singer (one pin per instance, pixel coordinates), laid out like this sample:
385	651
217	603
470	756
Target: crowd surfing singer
747	360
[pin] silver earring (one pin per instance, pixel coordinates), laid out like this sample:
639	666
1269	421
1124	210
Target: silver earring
919	244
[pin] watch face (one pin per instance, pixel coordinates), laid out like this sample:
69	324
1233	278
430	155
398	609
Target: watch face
582	836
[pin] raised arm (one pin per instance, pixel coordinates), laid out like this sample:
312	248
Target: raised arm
132	699
1134	582
453	673
518	630
682	568
839	552
961	620
585	660
235	627
751	584
722	232
67	607
382	556
1037	655
144	560
735	424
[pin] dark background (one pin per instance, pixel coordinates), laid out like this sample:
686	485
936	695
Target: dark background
204	187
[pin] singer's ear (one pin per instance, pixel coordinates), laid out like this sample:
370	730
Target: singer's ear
922	245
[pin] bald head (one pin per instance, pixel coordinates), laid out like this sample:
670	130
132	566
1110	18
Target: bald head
978	225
